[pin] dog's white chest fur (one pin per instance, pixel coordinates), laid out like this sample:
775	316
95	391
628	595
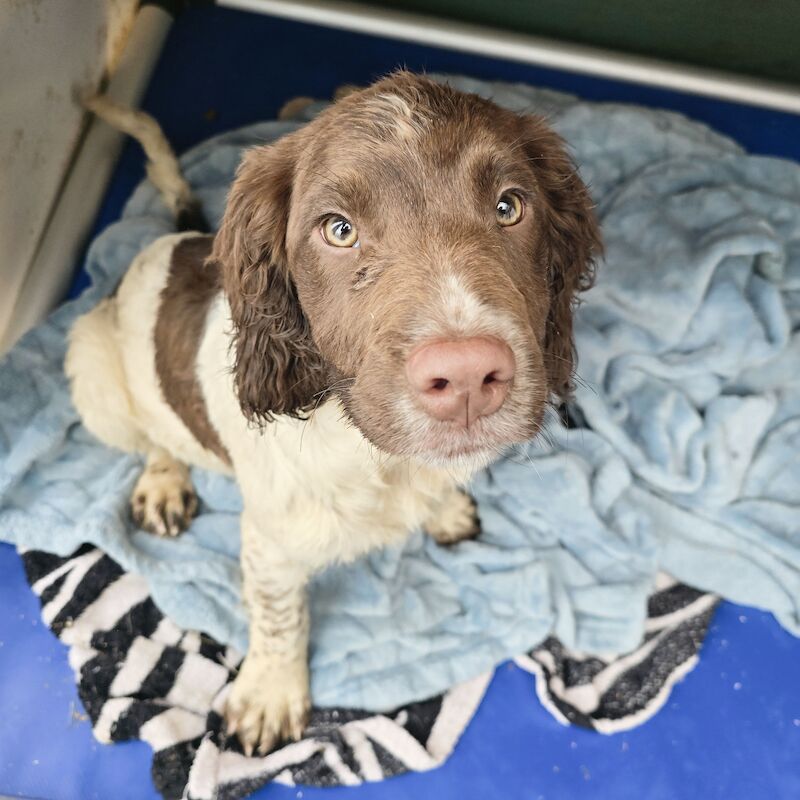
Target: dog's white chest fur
330	494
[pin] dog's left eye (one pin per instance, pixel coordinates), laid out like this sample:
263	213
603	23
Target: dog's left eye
340	232
509	209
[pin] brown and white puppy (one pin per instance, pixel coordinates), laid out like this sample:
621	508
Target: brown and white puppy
386	308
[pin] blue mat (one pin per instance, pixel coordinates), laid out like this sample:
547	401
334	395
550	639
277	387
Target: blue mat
689	390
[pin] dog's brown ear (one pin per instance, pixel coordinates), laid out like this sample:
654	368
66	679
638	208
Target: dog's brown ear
277	367
571	239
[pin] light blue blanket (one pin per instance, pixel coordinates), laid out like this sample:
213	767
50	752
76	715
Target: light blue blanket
689	461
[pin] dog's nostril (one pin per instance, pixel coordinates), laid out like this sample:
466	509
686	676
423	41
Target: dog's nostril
490	378
439	384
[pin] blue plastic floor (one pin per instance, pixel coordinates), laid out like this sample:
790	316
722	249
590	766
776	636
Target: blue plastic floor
731	730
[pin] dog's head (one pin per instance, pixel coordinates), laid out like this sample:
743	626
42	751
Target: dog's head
415	251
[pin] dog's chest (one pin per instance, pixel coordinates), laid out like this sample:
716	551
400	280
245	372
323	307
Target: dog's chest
316	486
331	496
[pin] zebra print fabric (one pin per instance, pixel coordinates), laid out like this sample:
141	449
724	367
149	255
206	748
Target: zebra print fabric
619	692
141	677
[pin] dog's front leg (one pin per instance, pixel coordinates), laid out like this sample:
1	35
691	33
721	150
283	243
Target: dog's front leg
269	700
455	519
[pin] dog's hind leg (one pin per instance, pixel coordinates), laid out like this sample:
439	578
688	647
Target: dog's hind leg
163	500
98	382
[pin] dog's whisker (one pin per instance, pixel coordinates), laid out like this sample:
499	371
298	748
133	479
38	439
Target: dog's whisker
320	397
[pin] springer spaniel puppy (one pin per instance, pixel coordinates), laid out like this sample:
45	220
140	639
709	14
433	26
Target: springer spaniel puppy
385	309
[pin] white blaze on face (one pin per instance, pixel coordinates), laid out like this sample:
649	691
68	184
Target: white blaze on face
461	309
462	314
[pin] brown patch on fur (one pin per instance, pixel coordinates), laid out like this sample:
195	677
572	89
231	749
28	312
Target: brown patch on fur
185	300
345	90
291	108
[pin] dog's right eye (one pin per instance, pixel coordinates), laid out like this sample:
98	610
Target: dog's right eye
340	232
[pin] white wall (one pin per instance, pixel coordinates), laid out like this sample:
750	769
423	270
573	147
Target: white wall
49	49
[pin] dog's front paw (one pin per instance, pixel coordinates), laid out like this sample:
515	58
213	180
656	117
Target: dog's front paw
268	703
456	520
163	500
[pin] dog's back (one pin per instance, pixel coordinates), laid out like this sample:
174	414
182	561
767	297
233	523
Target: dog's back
120	351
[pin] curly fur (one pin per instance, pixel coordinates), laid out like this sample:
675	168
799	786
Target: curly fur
277	367
572	243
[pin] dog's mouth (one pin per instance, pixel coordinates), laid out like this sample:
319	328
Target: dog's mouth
448	444
479	445
469	459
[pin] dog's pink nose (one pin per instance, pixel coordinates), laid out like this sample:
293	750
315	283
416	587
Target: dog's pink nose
461	380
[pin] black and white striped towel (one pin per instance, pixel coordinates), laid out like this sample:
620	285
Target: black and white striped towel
141	677
618	692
